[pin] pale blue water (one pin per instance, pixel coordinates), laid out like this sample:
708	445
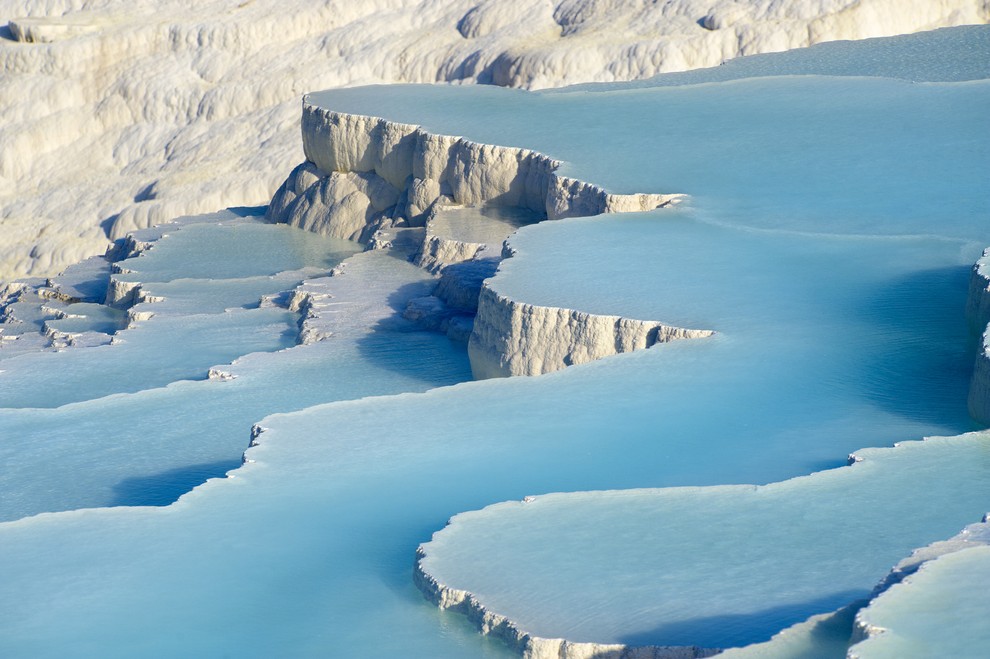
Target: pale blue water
917	621
235	249
718	566
138	423
825	344
239	258
146	356
89	316
825	154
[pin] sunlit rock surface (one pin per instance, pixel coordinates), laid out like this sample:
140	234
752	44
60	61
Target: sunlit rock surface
121	115
515	338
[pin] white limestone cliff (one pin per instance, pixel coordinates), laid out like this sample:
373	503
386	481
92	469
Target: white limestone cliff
405	163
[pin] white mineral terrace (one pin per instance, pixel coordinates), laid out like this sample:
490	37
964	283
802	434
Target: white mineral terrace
659	504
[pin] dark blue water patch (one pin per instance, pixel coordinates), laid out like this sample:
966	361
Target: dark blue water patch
735	630
166	487
920	370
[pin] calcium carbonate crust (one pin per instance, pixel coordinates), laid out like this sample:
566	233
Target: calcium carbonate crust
73	286
125	294
535	647
365	174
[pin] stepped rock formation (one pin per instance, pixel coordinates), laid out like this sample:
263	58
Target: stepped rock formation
364	174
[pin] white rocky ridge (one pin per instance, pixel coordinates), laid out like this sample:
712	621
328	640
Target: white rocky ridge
119	116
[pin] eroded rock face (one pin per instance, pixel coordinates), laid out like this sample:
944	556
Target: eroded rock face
364	174
460	283
571	198
979	386
514	338
438	253
423	169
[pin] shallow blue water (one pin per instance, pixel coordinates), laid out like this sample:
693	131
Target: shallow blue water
833	155
138	423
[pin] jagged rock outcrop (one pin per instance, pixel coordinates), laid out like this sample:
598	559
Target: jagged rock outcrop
349	205
568	197
978	314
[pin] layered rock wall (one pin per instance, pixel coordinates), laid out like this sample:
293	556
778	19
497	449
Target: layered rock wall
514	338
364	174
167	101
403	171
